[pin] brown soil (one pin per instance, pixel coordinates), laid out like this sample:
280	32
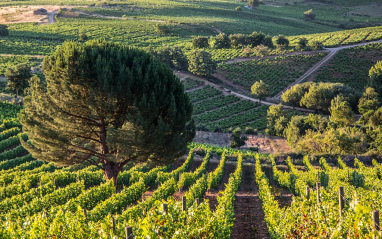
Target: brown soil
214	193
9	148
21	14
265	144
249	216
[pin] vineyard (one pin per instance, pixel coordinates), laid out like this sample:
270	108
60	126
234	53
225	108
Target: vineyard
7	61
333	39
215	111
328	202
193	198
278	72
344	69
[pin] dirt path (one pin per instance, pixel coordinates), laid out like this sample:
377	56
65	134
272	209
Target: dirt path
249	216
52	16
315	68
214	193
187	74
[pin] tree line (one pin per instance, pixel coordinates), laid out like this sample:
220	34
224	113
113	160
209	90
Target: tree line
339	133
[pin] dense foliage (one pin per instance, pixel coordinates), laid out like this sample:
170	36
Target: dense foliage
127	107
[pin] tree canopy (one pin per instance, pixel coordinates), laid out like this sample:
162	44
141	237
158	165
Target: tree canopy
309	15
375	75
236	139
18	77
318	96
201	63
4	30
341	112
106	104
260	90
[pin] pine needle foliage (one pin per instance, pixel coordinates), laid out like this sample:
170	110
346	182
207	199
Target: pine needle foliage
106	104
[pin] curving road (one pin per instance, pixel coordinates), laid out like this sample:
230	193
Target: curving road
332	52
52	15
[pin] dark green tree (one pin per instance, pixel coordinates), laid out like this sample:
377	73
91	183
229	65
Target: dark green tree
320	95
282	41
220	41
255	39
273	114
268	41
302	43
260	90
254	3
368	104
341	112
295	129
294	95
375	80
161	29
316	45
200	63
200	42
238	40
309	15
171	56
236	139
83	37
376	118
106	104
18	77
4	30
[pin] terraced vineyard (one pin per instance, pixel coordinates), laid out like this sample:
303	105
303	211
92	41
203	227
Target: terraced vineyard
329	201
7	61
343	68
38	199
277	72
333	39
214	111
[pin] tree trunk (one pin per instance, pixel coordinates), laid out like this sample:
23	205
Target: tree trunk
111	171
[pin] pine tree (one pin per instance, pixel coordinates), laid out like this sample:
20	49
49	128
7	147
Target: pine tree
18	77
106	104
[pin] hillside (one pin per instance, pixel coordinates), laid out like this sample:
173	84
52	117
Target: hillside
190	119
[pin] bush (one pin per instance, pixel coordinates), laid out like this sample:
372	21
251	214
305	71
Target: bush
282	41
220	41
247	52
200	42
162	29
302	43
237	40
254	3
309	15
261	50
238	9
317	45
255	39
171	56
4	30
200	63
83	37
268	41
250	130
